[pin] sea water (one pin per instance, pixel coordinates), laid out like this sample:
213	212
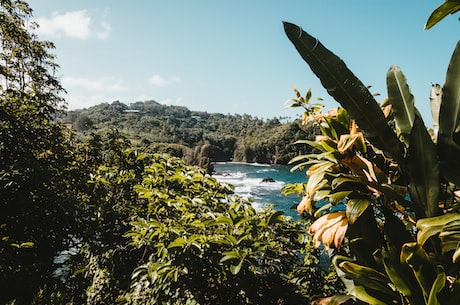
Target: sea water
247	178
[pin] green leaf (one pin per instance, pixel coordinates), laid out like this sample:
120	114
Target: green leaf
346	89
438	285
402	101
348	182
177	243
314	182
221	220
276	217
320	168
456	255
228	255
299	158
310	143
368	277
449	121
423	167
336	261
27	244
337	197
450	240
428	227
235	269
425	272
448	7
355	207
401	276
360	293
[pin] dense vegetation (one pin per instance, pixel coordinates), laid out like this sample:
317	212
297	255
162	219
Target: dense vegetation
98	218
197	137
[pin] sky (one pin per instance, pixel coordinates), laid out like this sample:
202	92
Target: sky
233	56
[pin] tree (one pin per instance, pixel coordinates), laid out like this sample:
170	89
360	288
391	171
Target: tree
36	202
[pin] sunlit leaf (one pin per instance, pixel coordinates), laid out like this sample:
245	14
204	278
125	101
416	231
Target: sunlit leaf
360	293
235	269
428	227
178	242
448	7
438	285
367	277
346	88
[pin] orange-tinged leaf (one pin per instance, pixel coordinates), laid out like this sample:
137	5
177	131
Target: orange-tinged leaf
329	229
304	205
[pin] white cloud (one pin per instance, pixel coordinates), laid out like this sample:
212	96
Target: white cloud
86	92
104	33
74	24
160	81
104	84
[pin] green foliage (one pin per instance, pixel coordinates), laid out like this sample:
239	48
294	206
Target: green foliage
197	137
448	7
36	163
398	186
187	239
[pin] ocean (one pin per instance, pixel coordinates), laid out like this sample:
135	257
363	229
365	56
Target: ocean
247	179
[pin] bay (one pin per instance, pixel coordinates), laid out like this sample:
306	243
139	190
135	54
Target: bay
247	178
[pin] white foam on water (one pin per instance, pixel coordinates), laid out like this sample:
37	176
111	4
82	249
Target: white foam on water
266	170
248	187
247	179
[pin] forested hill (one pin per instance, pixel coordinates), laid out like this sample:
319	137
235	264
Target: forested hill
198	137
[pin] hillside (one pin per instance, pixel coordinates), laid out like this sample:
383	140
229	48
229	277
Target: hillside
197	137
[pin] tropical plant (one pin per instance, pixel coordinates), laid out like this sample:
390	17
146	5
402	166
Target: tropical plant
397	240
448	7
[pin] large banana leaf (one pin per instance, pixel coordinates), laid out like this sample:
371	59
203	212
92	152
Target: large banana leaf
449	121
346	89
448	7
402	100
423	167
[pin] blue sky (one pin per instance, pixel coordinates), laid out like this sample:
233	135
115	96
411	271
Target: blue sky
233	56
